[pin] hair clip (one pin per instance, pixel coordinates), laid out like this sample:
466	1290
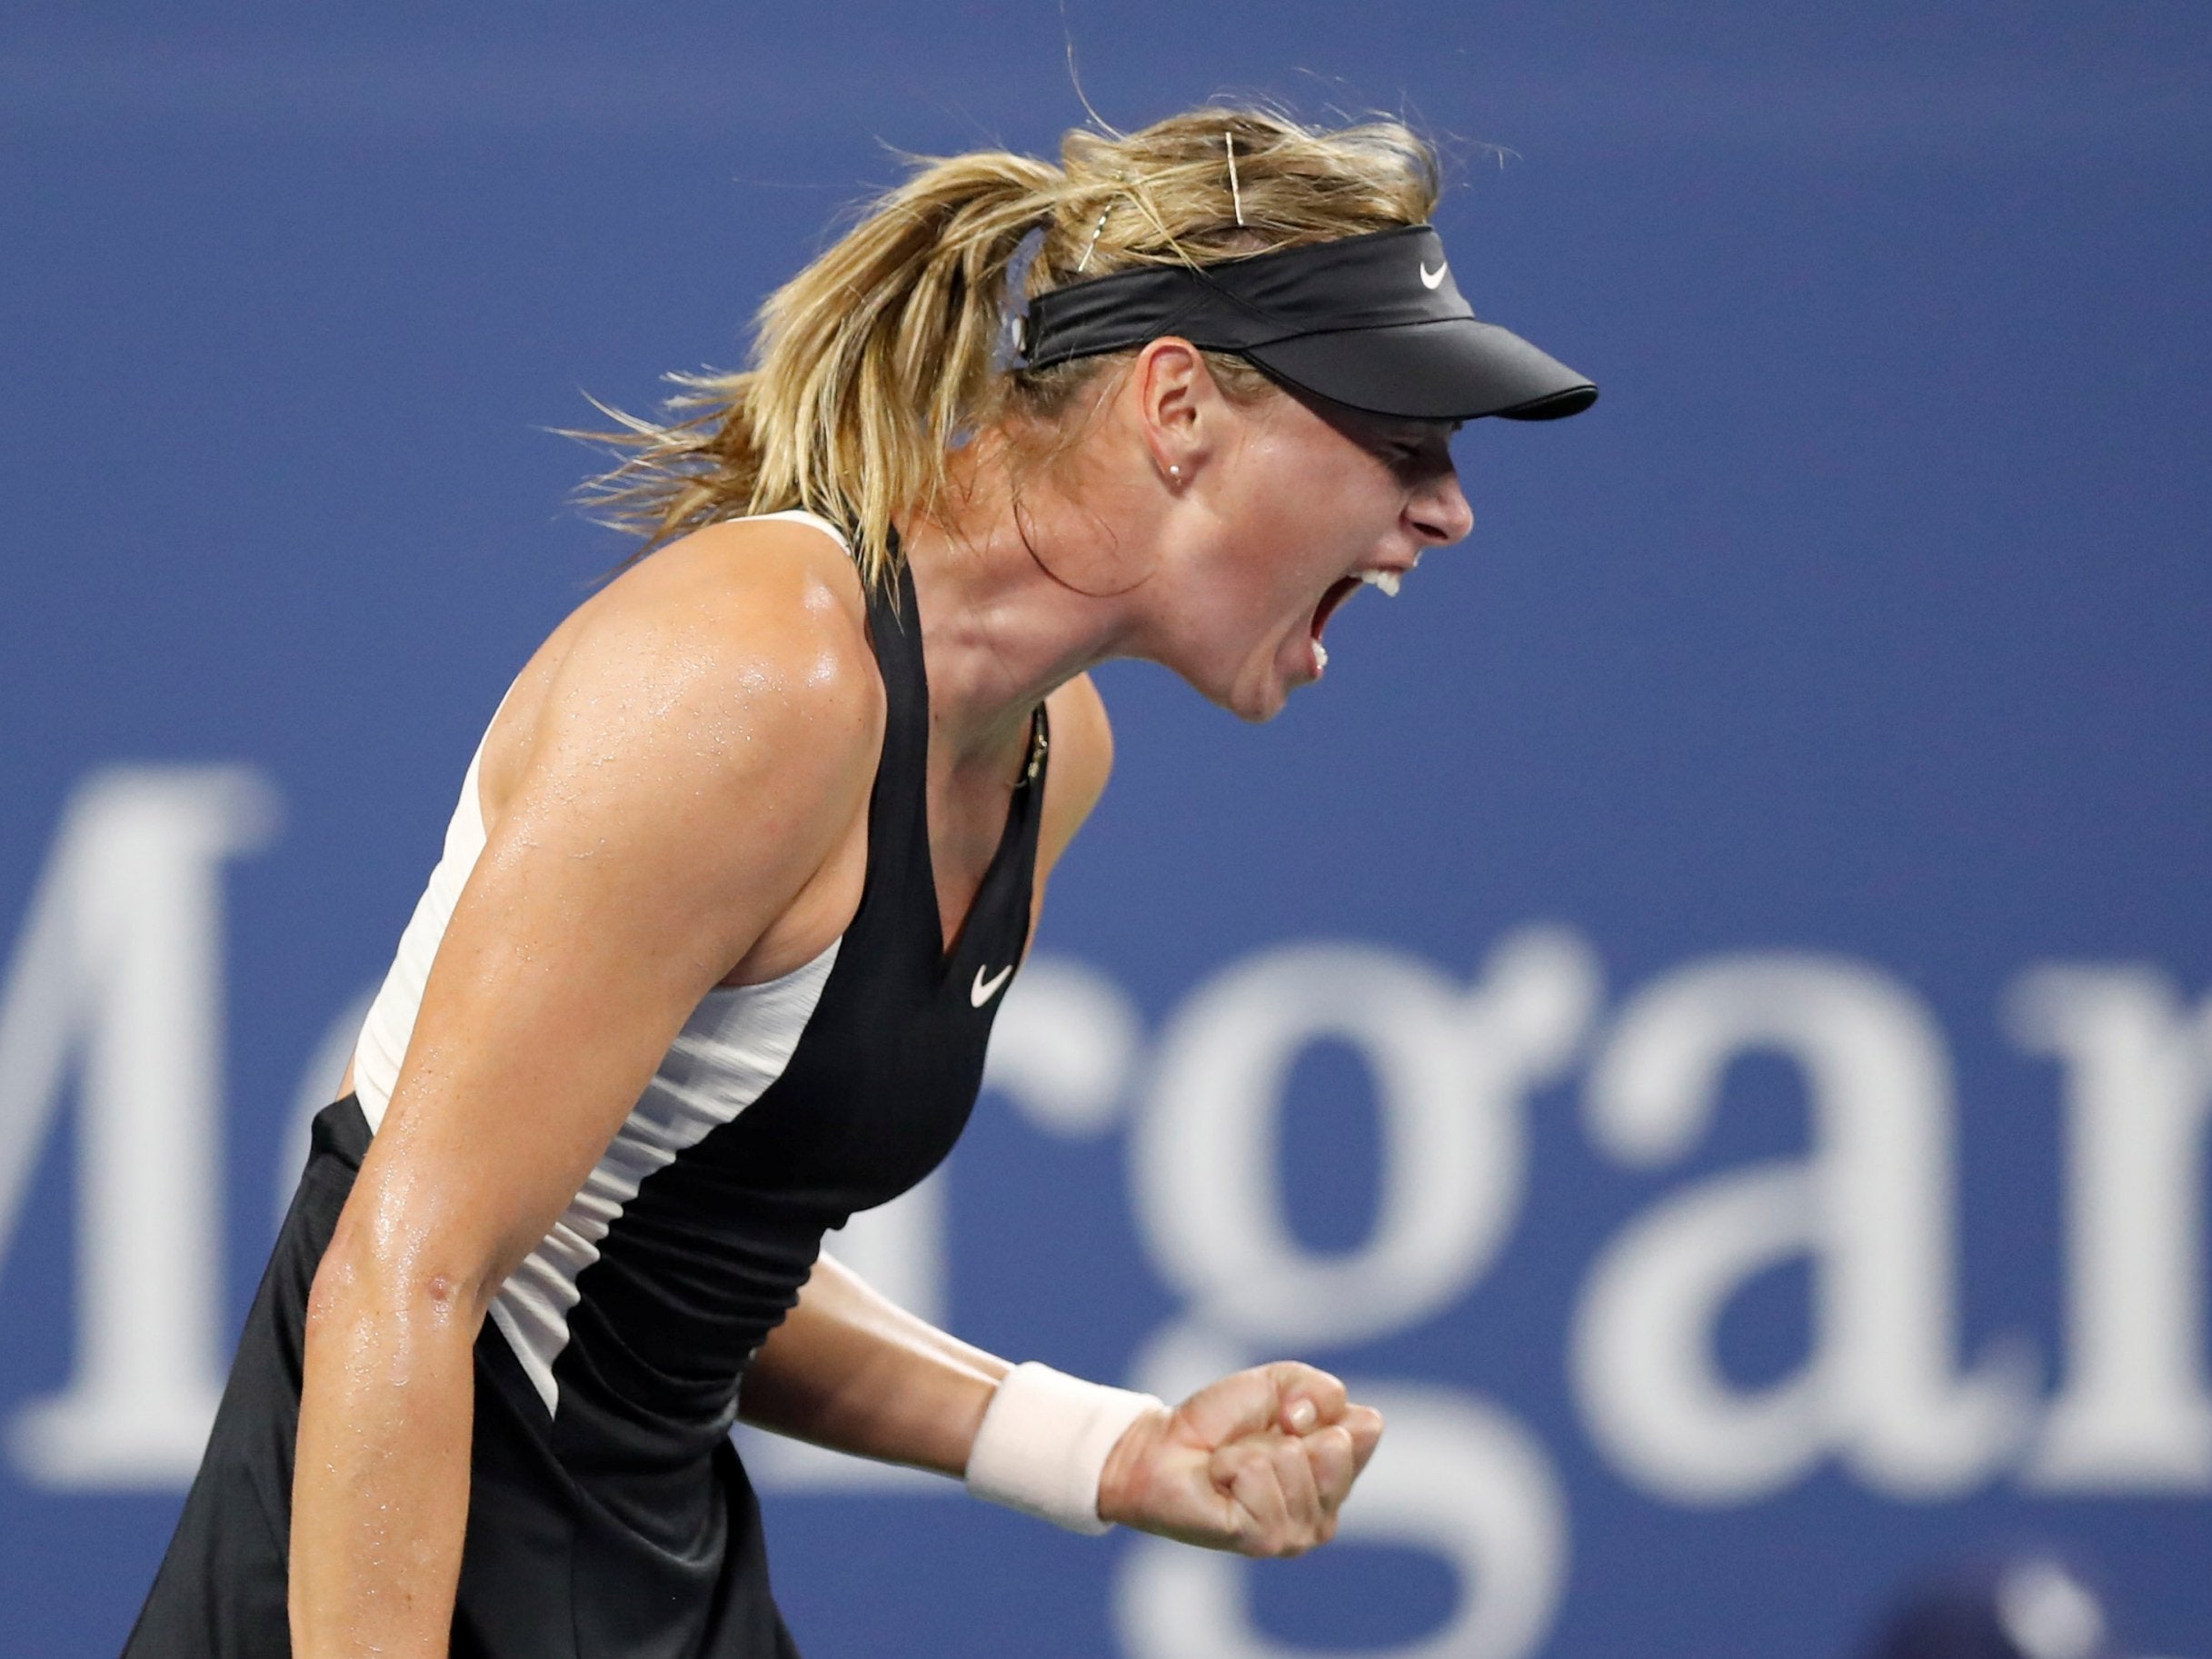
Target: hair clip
1084	261
1236	197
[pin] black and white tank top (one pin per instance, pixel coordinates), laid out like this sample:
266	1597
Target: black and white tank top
779	1110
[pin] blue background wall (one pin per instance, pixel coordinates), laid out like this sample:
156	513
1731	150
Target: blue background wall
1770	854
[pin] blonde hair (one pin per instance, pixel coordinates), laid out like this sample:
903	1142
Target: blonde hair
885	353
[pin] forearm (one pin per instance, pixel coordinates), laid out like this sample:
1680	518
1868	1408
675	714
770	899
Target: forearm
380	1488
853	1371
1258	1463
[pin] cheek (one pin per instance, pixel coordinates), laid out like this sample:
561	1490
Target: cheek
1306	488
1324	509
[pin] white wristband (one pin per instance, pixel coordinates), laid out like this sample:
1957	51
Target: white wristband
1044	1441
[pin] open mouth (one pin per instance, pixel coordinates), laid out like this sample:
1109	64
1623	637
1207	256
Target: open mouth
1339	592
1344	587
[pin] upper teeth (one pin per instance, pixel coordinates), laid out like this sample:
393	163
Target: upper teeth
1385	580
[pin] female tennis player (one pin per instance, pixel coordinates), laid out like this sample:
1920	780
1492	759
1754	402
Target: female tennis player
740	874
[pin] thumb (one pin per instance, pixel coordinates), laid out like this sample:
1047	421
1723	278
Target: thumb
1284	1395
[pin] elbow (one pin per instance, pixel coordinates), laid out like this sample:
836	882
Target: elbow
392	1293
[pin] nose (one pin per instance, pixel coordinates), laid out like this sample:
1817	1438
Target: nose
1439	509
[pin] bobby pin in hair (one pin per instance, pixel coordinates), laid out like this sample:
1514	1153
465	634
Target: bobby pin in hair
1084	261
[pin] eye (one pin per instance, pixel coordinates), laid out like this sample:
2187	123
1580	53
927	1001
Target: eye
1411	444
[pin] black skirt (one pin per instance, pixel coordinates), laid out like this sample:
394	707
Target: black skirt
548	1569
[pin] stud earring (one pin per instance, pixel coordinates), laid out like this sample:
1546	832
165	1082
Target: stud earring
1176	474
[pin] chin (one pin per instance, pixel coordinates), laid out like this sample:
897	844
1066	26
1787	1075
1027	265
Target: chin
1260	701
1255	691
1253	703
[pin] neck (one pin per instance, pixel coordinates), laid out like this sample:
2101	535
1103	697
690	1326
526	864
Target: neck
1019	590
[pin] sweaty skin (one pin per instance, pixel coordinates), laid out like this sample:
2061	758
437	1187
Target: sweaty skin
675	796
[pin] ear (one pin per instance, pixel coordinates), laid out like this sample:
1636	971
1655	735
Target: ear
1179	405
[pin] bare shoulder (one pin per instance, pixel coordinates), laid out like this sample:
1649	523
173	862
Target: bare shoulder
741	645
745	597
1082	760
695	738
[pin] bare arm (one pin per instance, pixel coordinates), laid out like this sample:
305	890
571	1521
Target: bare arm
851	1371
691	768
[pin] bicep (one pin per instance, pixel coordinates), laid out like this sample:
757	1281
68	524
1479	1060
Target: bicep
666	813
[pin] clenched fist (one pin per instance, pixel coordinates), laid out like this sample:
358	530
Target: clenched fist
1258	1463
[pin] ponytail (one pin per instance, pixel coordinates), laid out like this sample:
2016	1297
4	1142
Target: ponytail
870	365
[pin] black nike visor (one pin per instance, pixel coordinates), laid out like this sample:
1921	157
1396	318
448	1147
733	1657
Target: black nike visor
1375	323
